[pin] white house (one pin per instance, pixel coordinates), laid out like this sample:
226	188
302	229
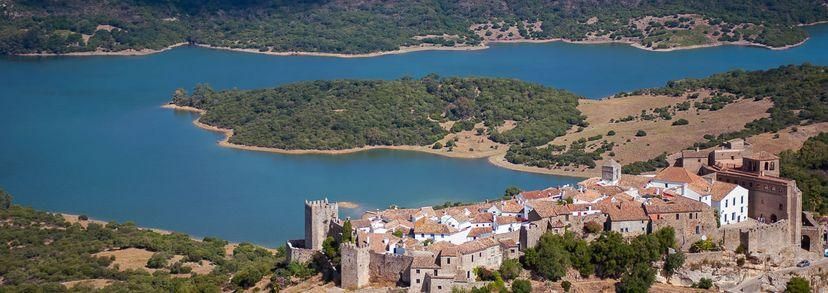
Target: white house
731	202
506	224
683	182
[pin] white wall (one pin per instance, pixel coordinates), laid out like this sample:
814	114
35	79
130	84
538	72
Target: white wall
734	207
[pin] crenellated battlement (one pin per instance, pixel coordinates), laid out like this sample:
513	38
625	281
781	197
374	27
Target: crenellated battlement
319	216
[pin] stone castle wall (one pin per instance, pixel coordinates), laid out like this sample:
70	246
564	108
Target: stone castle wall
390	268
354	266
766	238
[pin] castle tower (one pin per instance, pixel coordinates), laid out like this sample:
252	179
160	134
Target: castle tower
319	214
611	172
355	261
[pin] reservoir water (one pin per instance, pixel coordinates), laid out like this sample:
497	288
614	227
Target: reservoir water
86	135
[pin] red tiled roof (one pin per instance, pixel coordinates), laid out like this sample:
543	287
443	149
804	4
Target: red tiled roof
479	231
678	204
538	194
624	211
721	189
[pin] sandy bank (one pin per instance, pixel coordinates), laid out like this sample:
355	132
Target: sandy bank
424	47
127	52
402	50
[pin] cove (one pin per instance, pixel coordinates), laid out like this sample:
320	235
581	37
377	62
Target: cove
86	135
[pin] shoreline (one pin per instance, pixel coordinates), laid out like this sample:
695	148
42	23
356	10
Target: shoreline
127	52
495	158
420	48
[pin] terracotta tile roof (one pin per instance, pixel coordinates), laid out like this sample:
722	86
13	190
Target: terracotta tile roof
548	209
557	224
538	194
427	226
507	243
607	190
624	211
587	195
582	207
679	174
424	261
443	248
361	223
425	212
480	231
721	189
378	243
677	204
762	156
510	206
505	220
483	218
477	245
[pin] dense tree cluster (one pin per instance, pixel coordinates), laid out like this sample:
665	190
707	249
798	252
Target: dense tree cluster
608	256
808	167
344	114
41	250
32	26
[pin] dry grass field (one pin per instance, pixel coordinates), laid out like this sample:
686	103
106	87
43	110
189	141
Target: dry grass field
661	136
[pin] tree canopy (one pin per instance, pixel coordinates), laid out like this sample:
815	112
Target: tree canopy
343	114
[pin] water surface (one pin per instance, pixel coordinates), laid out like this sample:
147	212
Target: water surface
86	134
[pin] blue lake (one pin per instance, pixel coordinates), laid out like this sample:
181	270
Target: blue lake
86	135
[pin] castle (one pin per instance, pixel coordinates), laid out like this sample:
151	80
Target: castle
733	198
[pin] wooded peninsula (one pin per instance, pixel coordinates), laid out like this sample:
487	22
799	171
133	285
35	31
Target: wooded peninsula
361	27
439	114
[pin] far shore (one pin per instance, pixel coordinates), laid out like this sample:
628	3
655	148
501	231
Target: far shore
424	47
495	157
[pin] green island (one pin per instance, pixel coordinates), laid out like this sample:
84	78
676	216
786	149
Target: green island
348	114
362	27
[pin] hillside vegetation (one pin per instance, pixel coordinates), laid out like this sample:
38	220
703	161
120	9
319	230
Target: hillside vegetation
345	114
799	94
42	252
356	26
809	167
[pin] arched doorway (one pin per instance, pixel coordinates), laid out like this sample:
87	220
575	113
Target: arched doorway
806	242
773	218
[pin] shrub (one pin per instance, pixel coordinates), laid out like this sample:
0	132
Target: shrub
566	285
521	286
510	269
740	261
798	285
484	274
681	121
247	278
592	227
673	262
437	145
704	283
83	218
611	133
179	268
640	133
158	260
703	245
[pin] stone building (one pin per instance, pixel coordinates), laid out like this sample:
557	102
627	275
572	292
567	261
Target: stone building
625	217
320	215
771	198
692	220
355	262
693	160
611	172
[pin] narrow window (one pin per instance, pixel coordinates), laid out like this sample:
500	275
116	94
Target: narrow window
677	216
418	281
